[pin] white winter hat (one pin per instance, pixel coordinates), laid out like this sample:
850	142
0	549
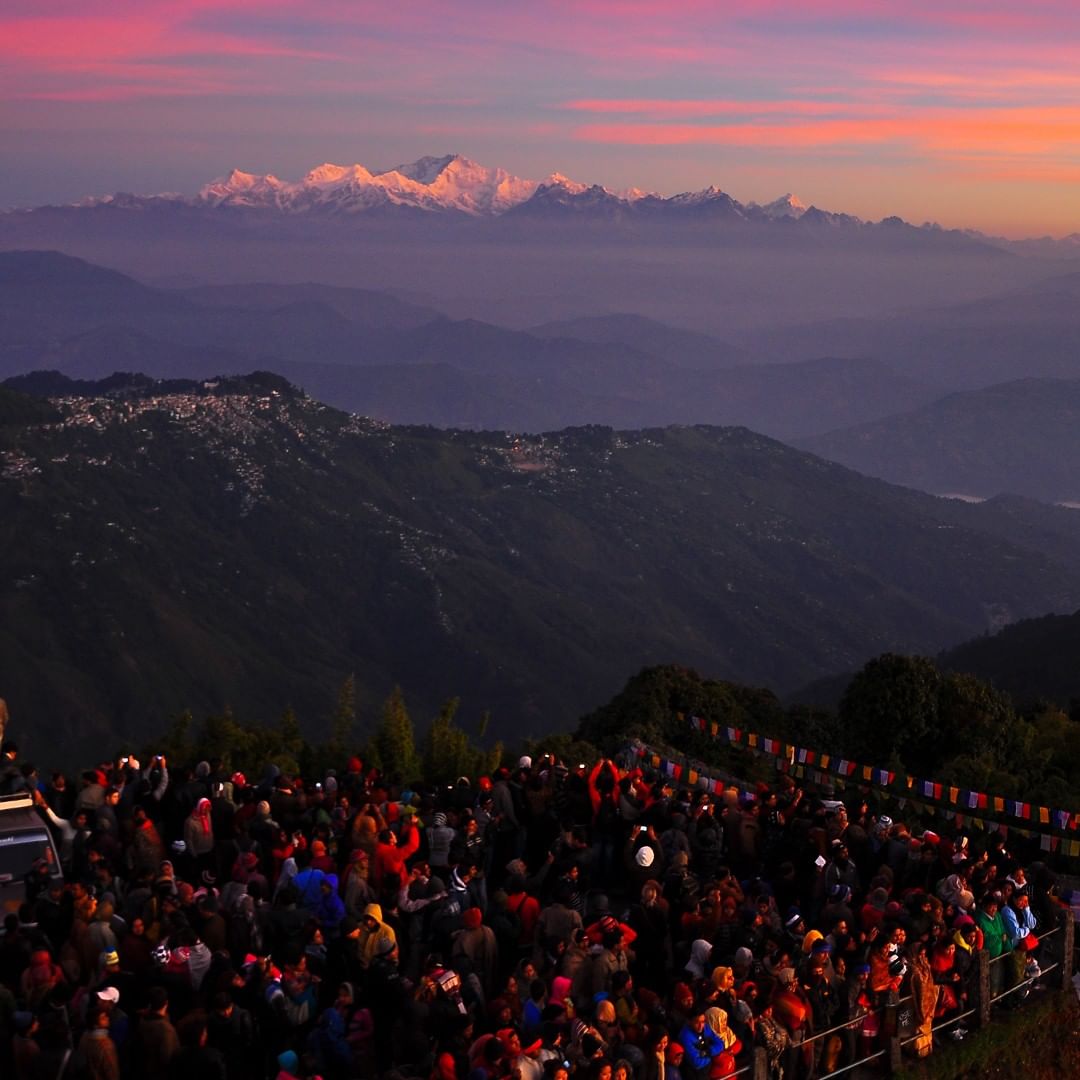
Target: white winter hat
645	856
524	762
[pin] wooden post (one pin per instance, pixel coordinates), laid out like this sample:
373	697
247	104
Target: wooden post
760	1068
1068	939
982	989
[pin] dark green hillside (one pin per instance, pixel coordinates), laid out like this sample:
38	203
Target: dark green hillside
238	542
1035	659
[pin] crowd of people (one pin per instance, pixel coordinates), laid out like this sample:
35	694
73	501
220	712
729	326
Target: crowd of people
552	920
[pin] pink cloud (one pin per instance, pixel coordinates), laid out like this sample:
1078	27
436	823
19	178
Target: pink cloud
676	108
936	132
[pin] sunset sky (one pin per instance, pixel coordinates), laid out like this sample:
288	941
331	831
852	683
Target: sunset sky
961	112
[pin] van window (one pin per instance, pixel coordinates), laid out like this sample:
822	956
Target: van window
19	851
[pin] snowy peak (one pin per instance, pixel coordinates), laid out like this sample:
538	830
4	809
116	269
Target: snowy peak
242	189
787	206
427	169
453	184
464	185
433	184
328	174
564	183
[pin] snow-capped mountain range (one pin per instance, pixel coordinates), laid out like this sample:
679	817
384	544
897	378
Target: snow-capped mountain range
454	184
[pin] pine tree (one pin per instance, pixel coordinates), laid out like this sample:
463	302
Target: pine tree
176	743
343	723
285	743
447	753
224	739
394	741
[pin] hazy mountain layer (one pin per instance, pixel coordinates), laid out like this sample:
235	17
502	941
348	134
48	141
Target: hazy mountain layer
1017	437
701	264
1021	333
374	354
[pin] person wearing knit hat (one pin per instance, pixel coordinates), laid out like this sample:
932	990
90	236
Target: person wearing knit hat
478	945
288	1065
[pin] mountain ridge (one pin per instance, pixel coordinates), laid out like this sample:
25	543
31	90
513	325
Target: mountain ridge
458	186
233	541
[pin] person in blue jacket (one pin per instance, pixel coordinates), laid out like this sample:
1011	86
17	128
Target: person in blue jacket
701	1044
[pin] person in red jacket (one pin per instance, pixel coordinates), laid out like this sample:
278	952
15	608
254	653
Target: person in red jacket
392	855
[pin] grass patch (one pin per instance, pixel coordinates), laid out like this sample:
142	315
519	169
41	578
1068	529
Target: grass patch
1038	1042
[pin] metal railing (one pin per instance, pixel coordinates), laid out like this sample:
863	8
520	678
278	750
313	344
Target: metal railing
894	1045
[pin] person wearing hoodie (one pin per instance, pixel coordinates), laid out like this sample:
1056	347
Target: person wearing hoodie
199	835
439	838
328	1046
330	910
1019	923
374	936
990	922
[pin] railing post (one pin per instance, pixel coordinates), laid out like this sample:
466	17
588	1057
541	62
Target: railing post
760	1069
896	1057
1068	942
982	989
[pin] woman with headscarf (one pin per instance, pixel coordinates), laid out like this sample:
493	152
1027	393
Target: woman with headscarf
924	996
199	835
717	1019
289	870
698	964
356	891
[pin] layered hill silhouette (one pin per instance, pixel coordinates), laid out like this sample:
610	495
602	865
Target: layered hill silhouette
1021	332
373	353
236	542
1018	437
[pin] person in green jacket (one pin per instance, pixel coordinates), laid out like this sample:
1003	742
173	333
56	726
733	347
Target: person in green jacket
995	939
